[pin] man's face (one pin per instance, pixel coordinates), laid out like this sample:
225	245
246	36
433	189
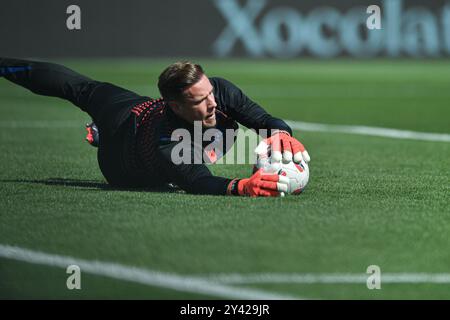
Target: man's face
199	104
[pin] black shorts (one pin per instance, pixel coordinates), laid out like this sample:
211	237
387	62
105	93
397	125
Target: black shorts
117	157
110	107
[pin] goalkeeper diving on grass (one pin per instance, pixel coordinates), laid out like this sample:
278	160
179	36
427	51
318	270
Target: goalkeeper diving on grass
134	133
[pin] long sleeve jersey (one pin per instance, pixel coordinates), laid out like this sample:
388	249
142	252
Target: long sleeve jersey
155	139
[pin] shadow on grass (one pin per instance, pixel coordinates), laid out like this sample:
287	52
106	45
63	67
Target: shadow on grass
93	185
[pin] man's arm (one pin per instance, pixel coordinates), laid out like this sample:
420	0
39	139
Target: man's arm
251	115
243	109
193	178
197	179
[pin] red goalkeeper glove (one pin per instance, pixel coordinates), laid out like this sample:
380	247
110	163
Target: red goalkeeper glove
283	146
259	184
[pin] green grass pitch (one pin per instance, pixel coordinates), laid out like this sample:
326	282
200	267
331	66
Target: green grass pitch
370	200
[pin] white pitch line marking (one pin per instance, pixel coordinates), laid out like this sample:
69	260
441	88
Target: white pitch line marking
330	278
140	275
369	131
219	285
295	125
40	124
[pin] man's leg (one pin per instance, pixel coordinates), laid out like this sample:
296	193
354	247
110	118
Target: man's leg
107	104
49	79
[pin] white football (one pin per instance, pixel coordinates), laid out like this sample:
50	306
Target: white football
298	174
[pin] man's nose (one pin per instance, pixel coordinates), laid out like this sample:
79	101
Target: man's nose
211	101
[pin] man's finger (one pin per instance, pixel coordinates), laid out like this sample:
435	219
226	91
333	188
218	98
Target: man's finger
297	149
287	150
276	156
283	179
276	148
275	182
298	157
267	185
282	187
273	186
267	193
306	156
269	177
262	148
273	177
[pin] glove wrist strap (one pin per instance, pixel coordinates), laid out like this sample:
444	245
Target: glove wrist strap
277	131
233	187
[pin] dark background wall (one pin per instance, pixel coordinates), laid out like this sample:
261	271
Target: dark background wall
280	29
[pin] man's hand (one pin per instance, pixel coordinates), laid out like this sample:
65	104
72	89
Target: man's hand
283	146
260	184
